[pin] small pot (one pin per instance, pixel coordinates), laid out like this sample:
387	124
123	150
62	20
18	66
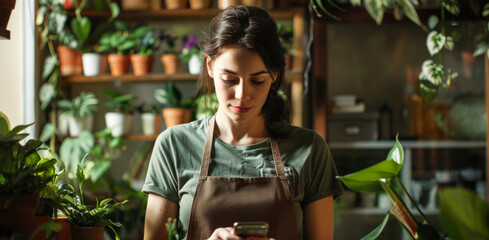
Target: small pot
175	4
200	4
87	233
91	64
119	64
17	213
70	61
135	4
65	231
223	4
115	121
142	64
148	120
171	63
176	116
194	64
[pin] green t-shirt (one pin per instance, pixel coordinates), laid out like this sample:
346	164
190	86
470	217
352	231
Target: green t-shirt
175	165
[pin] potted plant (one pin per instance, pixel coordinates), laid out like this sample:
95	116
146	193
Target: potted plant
150	118
119	119
87	221
118	43
199	4
286	36
191	53
25	172
176	110
78	112
170	60
147	42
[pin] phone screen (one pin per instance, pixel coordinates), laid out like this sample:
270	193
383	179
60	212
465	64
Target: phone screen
251	229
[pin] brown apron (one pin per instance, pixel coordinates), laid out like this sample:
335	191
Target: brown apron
221	201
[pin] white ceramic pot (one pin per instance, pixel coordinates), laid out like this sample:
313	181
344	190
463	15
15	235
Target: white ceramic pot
115	121
148	120
76	126
91	64
194	64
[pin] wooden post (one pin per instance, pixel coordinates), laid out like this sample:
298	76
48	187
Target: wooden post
319	86
486	61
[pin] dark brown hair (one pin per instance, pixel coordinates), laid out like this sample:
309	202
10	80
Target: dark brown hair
253	29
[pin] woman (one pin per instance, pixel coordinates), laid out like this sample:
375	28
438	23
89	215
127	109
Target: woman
245	163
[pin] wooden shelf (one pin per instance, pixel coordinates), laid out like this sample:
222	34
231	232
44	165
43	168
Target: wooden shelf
164	14
4	34
154	77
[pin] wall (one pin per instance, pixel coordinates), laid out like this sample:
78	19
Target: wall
11	60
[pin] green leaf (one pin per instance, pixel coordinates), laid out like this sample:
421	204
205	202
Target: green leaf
367	180
463	214
48	227
376	10
40	15
428	90
410	11
49	64
481	48
56	22
4	124
19	128
485	10
433	21
99	169
116	142
46	94
453	6
47	132
80	176
435	42
378	230
114	10
81	28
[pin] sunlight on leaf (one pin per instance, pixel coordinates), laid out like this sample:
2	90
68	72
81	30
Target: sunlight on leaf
435	42
367	180
378	230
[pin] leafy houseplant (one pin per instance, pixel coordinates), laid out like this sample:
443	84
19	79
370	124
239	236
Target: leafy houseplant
176	110
206	105
170	60
459	224
191	53
286	36
147	42
79	112
82	215
119	117
25	173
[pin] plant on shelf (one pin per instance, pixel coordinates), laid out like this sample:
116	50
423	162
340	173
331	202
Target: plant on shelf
459	224
147	43
26	171
286	36
149	118
191	53
118	42
78	112
170	60
83	217
206	105
175	111
119	117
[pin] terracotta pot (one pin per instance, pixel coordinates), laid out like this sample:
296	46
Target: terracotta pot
6	8
176	116
256	3
200	4
65	232
135	4
175	4
222	4
17	214
141	64
38	221
87	233
288	61
119	64
70	61
171	63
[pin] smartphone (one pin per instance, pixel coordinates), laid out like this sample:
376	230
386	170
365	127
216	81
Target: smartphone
251	229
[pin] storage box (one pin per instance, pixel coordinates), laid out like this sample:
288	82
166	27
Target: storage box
346	127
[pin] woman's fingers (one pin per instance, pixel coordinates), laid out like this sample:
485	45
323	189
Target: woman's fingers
224	234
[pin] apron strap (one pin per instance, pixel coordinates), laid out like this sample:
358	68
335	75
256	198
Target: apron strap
209	139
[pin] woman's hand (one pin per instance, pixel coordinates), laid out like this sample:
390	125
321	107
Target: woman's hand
228	234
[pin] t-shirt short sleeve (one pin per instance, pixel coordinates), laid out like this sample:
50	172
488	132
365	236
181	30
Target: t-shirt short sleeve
162	178
319	173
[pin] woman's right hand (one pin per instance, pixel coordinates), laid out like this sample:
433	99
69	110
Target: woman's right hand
228	234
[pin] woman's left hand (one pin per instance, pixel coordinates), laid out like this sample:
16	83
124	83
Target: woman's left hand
228	234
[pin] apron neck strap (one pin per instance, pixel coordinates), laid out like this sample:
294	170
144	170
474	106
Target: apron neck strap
209	139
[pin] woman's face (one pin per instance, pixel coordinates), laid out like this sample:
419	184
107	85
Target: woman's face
242	82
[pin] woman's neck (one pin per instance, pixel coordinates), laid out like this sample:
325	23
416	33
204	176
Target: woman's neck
242	132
